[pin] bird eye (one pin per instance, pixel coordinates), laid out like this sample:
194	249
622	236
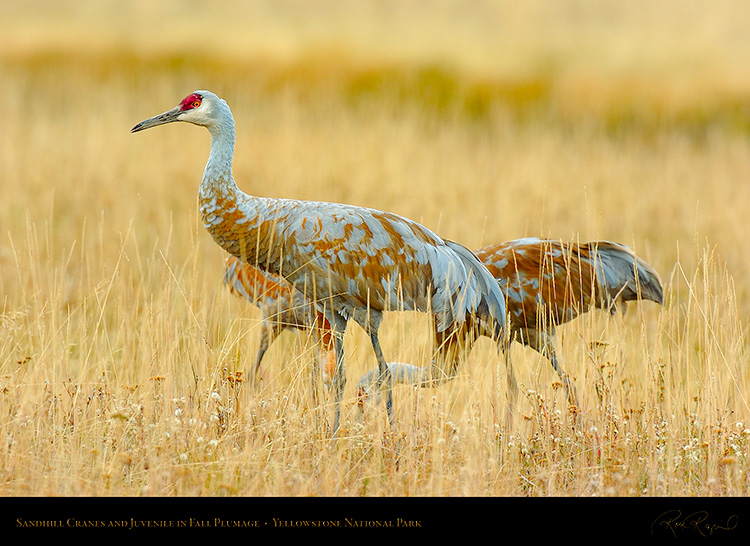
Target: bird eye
196	103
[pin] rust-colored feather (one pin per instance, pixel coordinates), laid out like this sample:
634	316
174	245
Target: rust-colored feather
548	282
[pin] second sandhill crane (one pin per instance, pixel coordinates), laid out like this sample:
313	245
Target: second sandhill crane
547	283
282	307
351	262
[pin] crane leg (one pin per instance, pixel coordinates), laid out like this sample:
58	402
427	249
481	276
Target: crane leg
542	343
268	333
570	389
259	357
510	378
339	380
256	366
384	375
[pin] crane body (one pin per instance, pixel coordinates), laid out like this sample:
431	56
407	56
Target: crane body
546	283
351	262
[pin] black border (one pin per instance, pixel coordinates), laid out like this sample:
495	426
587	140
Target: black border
664	520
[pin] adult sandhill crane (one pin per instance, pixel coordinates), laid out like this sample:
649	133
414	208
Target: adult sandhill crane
547	283
352	262
282	306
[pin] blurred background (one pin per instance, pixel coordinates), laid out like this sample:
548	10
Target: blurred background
486	120
607	68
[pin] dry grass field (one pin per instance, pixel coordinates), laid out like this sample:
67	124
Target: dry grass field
123	359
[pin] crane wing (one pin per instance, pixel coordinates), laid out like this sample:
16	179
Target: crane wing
358	257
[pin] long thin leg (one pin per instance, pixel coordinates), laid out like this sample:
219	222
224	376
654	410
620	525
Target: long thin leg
542	342
339	377
264	344
269	331
384	375
510	377
261	352
569	387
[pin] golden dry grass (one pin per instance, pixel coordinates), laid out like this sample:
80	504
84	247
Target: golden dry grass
121	355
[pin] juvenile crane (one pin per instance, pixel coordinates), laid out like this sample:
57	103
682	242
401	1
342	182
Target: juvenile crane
351	262
547	283
282	306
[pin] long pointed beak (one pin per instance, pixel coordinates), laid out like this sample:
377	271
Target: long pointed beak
167	117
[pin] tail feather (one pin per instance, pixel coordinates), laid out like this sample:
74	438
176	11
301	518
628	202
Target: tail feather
490	307
625	275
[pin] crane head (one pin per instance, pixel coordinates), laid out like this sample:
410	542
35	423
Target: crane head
199	107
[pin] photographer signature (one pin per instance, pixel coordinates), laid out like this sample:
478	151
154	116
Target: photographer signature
674	522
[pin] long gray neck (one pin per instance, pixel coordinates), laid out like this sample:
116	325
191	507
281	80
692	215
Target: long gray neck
218	172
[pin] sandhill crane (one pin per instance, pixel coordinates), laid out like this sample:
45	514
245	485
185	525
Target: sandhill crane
352	262
547	283
282	306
